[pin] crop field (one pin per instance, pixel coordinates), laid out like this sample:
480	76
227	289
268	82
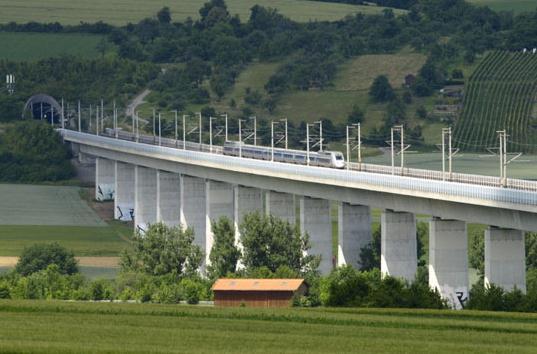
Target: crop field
59	327
516	6
34	46
500	94
34	214
120	12
22	204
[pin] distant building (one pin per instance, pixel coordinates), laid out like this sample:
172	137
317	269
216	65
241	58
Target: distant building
257	292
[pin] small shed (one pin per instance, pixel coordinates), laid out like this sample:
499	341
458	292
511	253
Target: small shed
257	292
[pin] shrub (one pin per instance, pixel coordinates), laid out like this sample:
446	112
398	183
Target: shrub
101	290
39	256
345	286
192	290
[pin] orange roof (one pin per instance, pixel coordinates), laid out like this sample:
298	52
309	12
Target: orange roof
257	284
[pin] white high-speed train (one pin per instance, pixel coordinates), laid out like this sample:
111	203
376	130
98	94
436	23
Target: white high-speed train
331	159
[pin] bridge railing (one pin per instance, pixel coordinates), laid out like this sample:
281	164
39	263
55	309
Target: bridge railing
456	177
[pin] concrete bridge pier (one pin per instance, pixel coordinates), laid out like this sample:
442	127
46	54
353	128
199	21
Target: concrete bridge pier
354	232
193	194
281	205
398	245
105	179
448	260
315	220
246	200
169	198
505	258
145	199
220	203
124	187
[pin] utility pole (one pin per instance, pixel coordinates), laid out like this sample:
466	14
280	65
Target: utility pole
504	160
308	144
154	124
320	135
90	113
133	116
348	148
446	133
79	117
115	120
159	130
240	138
102	114
184	131
175	135
255	130
392	151
97	120
358	145
199	113
137	127
211	134
272	139
62	117
286	138
225	116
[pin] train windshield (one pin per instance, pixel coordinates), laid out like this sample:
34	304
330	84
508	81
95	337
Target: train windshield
339	157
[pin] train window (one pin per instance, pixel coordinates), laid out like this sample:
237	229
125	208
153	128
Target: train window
339	157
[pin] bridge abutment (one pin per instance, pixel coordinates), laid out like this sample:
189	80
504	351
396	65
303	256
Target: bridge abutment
398	245
281	205
315	220
354	232
124	187
169	198
145	205
505	258
105	179
448	260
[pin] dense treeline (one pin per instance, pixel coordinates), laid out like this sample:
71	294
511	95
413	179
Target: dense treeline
398	4
33	152
74	78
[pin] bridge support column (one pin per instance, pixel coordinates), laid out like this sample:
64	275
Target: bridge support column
124	198
145	205
354	232
169	198
193	194
315	220
398	245
281	205
505	258
247	200
104	179
448	260
220	199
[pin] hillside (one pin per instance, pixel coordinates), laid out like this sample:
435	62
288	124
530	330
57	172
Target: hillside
516	6
500	95
120	12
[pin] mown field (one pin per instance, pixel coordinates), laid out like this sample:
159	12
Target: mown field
59	327
499	95
35	46
120	12
508	5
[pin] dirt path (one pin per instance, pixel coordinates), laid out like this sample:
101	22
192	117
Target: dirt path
105	262
136	101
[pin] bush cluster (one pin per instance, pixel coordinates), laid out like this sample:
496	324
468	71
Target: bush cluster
348	287
494	298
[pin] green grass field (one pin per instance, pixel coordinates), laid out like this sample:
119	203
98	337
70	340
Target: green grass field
83	241
516	6
60	327
122	11
35	46
33	214
22	204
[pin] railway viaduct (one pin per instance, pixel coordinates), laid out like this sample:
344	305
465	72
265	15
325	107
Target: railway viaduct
151	182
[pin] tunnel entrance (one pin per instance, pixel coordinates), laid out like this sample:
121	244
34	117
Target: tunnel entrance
42	107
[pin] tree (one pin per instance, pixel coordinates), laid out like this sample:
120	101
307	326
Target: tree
370	253
164	15
39	256
356	115
381	90
271	242
163	250
224	254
